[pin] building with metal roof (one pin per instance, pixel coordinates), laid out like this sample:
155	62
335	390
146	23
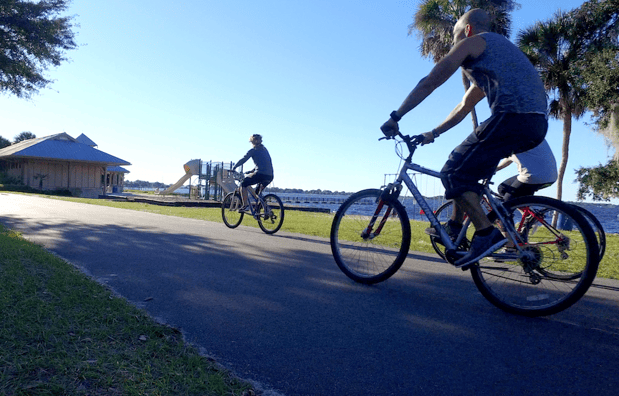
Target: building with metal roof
86	140
60	162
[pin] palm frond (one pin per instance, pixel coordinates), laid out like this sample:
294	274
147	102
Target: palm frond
434	21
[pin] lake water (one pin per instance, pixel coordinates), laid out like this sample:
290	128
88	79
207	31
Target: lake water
607	214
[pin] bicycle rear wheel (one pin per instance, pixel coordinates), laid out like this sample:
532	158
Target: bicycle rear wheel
271	218
370	252
556	269
598	229
230	210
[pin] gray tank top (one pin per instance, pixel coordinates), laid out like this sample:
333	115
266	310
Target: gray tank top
507	77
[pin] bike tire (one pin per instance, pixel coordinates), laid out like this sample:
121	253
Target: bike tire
598	229
526	231
370	260
557	270
230	209
270	219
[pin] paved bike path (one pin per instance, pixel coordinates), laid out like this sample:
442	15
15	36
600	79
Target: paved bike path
277	310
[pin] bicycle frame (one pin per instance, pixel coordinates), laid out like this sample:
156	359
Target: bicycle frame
392	191
404	177
528	212
257	198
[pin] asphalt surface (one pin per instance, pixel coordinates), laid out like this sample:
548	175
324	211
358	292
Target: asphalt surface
276	310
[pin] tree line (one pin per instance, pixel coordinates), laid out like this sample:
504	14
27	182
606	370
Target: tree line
302	191
145	184
18	138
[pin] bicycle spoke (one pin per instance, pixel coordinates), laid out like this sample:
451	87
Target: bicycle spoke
553	270
230	210
364	255
270	213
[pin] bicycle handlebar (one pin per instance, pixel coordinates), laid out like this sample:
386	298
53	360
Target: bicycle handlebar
411	141
236	175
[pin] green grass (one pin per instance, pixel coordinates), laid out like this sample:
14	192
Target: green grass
64	334
609	266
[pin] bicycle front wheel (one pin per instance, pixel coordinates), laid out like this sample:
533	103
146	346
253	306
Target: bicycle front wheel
230	209
271	217
370	237
556	268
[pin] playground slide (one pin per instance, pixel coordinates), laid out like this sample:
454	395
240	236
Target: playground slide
191	168
176	185
227	183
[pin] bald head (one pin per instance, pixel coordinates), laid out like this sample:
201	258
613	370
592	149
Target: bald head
473	22
477	18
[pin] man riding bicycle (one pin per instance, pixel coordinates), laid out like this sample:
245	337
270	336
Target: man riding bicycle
499	71
261	174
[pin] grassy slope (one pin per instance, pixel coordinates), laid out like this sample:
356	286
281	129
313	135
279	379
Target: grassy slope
62	333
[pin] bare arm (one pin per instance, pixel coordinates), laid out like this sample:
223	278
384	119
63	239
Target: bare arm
504	164
473	96
441	72
445	68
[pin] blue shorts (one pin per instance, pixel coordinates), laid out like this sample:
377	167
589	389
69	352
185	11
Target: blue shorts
477	157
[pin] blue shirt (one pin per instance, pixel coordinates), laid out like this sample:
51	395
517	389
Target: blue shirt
261	158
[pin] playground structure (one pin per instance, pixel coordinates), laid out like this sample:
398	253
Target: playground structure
214	180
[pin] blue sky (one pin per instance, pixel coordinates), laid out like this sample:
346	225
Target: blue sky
159	83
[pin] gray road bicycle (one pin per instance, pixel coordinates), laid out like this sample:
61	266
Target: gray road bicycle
544	272
268	209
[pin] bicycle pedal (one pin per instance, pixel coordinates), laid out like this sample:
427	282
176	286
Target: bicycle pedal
468	266
453	255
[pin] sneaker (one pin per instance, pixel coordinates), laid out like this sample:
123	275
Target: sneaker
506	254
453	230
481	247
245	209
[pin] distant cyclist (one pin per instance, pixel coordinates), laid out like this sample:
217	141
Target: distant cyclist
263	171
537	169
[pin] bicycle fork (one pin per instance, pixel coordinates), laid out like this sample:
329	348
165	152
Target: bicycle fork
367	232
390	192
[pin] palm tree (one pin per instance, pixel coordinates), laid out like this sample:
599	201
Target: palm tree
557	48
435	19
598	26
560	48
